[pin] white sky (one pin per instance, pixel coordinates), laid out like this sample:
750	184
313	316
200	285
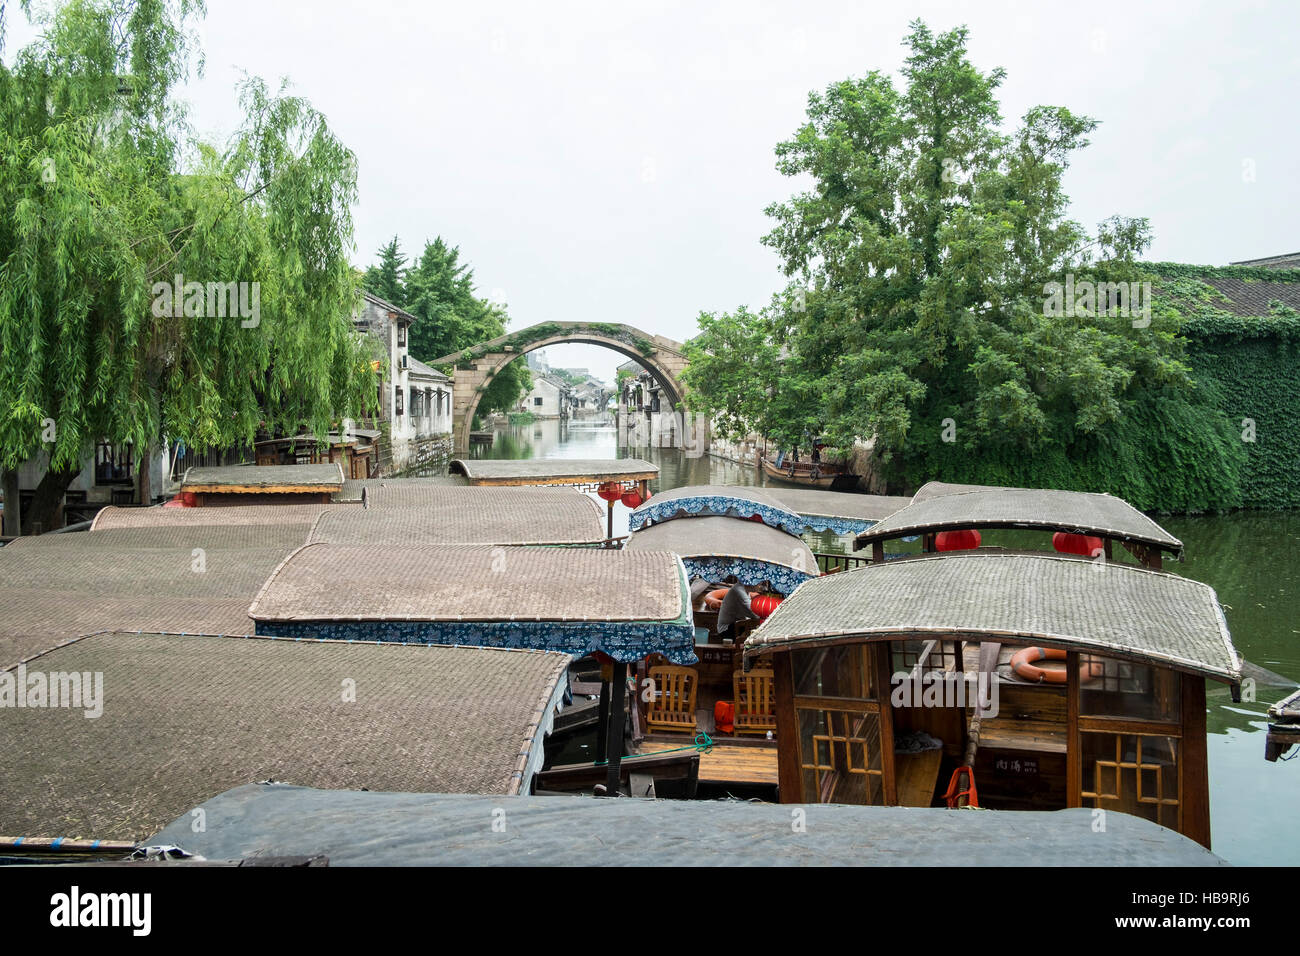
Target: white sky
611	163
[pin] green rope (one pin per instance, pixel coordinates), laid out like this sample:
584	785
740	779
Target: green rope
703	743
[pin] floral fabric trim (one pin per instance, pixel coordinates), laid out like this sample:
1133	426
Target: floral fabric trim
626	641
749	572
728	506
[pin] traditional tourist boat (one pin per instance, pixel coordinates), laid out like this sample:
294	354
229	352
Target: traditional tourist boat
893	678
828	475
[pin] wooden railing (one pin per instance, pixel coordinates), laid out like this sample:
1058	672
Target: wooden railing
829	563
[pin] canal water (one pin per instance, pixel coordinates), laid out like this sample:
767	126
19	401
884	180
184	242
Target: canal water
1249	558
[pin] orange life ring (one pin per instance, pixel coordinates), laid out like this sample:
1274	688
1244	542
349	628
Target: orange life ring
1020	663
713	600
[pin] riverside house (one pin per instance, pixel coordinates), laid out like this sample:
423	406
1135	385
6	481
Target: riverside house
414	399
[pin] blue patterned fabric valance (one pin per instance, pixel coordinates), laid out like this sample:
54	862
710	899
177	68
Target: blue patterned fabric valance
626	641
838	525
749	572
722	505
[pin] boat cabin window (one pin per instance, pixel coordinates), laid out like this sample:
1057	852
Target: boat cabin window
839	739
1132	773
1111	688
840	671
910	656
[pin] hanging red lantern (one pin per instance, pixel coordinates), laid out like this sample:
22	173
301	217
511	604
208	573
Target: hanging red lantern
763	604
968	539
610	491
1085	545
632	498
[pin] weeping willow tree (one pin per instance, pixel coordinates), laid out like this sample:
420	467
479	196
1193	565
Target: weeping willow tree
155	285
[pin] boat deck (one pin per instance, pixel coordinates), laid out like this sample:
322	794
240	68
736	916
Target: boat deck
750	762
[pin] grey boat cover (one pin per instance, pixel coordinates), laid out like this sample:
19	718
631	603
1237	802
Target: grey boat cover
413	829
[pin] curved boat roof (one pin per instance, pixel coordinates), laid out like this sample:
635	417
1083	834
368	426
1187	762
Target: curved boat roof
551	471
1040	508
718	537
579	601
716	548
438	514
63	775
1053	601
733	501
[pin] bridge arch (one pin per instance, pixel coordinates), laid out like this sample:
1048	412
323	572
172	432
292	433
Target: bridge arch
474	367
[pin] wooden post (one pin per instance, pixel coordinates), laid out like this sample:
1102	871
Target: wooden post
614	730
1193	762
789	778
13	526
877	552
602	711
1073	739
878	655
609	526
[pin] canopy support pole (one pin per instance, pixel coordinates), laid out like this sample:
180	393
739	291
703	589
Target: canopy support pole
614	728
602	712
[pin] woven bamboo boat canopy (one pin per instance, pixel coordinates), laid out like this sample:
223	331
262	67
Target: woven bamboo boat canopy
717	537
1048	509
626	604
937	489
1119	611
187	717
354	489
431	514
190	578
552	471
266	515
472	583
327	476
839	504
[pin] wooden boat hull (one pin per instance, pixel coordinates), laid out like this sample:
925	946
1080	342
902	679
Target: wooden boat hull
804	476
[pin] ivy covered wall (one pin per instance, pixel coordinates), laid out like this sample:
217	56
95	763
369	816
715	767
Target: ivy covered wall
1250	365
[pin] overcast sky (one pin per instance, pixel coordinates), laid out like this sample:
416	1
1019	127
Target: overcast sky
611	162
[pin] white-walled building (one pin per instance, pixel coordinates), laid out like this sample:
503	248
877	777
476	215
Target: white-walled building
415	400
549	397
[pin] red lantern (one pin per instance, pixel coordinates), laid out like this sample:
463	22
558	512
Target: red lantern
1085	545
610	491
967	539
763	604
632	498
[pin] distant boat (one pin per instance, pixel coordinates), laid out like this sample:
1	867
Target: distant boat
822	474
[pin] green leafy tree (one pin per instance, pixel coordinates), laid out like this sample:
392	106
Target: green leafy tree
916	319
440	292
387	278
108	209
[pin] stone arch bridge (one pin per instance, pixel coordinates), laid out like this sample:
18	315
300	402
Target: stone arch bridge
474	367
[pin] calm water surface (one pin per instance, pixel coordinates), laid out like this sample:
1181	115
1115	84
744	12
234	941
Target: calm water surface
1249	559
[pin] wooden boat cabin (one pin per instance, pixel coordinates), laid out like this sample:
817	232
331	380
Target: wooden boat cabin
878	673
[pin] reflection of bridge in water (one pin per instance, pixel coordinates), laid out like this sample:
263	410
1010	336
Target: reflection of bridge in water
661	357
